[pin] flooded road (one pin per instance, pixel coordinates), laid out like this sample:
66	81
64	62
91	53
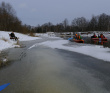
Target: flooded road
46	70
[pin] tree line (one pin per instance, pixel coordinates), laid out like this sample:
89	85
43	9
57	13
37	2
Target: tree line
10	22
96	23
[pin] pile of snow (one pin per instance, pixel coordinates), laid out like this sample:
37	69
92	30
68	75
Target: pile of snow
91	50
48	34
5	41
6	44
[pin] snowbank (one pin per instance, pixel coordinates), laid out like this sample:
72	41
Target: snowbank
48	34
5	41
91	50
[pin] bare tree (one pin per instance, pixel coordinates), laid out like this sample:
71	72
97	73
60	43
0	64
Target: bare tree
103	22
65	23
93	24
80	23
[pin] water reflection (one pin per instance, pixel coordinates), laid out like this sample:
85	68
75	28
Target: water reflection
97	42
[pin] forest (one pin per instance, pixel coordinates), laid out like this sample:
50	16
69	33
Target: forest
10	22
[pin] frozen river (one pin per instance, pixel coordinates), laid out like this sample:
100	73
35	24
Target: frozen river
41	69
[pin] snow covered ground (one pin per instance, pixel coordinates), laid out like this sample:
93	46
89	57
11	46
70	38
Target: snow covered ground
87	49
5	41
91	50
96	51
49	35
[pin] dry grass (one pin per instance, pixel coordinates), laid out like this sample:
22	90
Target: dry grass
17	43
4	39
0	63
32	34
36	36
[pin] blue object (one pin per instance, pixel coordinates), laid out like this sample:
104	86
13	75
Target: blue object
99	39
4	86
70	38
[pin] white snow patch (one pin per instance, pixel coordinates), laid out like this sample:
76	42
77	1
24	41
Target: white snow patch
91	50
7	43
49	35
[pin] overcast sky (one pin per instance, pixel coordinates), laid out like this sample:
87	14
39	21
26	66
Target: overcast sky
34	12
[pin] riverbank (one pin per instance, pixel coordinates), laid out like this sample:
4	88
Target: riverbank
6	43
17	53
59	43
5	57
